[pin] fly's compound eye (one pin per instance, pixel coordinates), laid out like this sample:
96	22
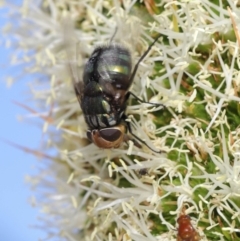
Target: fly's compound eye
111	137
110	134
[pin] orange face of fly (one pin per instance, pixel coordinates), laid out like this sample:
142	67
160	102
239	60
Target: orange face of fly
186	231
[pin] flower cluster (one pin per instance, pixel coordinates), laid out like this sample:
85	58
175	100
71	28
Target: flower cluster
134	193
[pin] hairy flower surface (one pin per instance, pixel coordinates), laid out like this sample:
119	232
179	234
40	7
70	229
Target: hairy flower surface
131	193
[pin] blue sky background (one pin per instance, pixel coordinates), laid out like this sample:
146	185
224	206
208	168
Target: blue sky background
16	214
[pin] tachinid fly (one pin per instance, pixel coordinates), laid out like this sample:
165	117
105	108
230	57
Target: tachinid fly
103	95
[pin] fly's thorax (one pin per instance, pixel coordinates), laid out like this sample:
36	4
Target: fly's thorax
110	66
102	103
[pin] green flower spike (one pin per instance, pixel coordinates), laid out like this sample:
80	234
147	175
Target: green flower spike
132	193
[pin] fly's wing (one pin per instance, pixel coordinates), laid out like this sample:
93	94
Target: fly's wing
71	45
77	83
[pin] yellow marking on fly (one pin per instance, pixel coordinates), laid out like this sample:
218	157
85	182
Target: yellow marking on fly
118	69
113	68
